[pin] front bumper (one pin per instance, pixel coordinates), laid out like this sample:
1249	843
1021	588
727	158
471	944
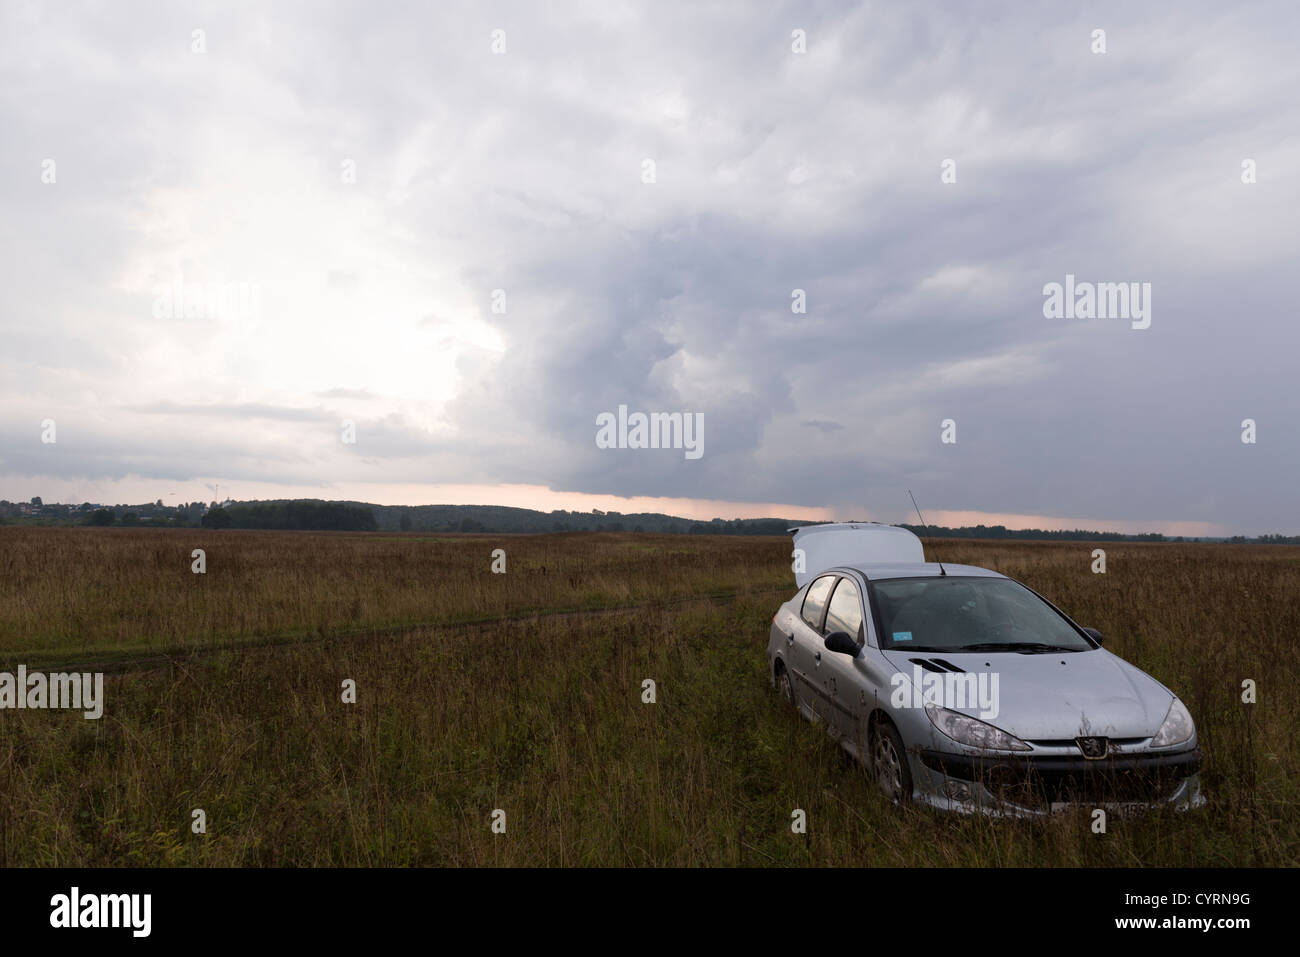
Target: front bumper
1037	784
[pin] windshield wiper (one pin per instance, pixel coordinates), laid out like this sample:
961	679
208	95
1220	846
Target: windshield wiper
1032	647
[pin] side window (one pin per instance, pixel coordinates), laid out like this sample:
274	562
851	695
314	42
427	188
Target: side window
845	611
815	601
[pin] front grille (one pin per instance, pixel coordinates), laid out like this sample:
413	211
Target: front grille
1035	788
1070	742
1034	782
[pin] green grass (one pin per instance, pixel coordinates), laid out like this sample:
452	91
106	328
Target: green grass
543	719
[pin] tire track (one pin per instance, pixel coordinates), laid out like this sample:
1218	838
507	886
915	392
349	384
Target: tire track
147	660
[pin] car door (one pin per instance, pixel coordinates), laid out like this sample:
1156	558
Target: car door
807	645
841	679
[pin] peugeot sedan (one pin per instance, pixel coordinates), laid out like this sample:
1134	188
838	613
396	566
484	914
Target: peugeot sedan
962	689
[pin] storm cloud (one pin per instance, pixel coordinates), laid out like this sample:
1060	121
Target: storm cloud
474	228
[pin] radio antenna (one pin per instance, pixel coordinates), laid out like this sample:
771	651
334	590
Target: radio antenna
942	570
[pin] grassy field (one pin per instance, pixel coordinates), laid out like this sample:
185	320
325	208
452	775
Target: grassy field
522	692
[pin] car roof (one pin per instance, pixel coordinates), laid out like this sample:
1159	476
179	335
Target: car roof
915	570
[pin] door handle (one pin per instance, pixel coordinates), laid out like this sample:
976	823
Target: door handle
817	655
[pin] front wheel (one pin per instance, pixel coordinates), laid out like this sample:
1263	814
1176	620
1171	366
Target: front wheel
889	763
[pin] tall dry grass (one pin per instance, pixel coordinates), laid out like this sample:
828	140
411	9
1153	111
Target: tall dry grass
91	593
543	718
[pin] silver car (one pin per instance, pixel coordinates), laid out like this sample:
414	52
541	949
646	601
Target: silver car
962	689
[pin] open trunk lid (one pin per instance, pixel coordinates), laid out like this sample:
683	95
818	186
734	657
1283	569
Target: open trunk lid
854	543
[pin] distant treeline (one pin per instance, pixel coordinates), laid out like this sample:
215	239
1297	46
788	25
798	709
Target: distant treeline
500	518
294	516
315	514
508	520
1039	534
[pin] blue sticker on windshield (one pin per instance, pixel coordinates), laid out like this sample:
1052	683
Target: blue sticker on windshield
902	636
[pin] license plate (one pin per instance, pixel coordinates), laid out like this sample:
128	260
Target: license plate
1117	807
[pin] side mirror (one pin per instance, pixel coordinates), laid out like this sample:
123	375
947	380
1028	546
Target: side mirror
842	643
1094	634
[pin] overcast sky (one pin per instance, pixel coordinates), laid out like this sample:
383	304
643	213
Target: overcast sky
340	189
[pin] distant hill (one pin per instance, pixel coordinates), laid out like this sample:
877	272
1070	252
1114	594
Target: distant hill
319	514
508	520
297	515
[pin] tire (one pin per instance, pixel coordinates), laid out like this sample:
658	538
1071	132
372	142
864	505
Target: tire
785	684
889	764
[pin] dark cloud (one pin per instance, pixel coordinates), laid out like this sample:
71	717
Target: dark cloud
775	172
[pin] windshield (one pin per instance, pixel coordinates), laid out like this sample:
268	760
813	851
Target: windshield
969	614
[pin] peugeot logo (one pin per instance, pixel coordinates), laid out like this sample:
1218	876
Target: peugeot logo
1093	748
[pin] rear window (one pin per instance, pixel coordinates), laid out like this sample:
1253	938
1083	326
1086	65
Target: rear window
814	603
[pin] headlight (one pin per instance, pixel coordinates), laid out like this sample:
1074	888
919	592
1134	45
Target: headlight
1178	727
969	731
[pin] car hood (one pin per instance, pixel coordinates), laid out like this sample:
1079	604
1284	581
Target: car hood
1057	696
